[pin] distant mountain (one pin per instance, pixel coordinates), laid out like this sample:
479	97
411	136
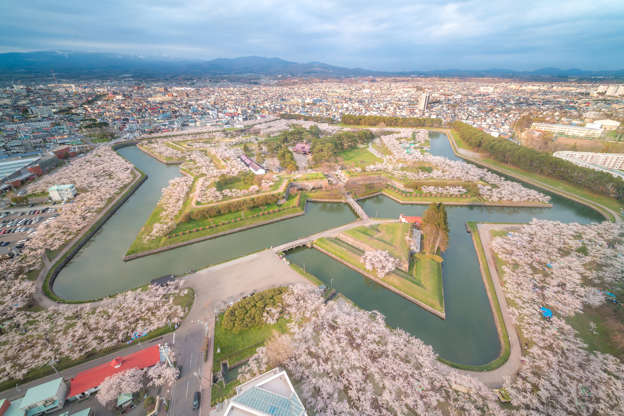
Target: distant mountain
16	65
80	64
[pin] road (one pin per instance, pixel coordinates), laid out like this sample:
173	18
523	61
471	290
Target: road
215	288
67	374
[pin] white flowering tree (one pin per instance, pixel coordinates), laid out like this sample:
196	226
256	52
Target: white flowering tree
126	382
162	375
379	261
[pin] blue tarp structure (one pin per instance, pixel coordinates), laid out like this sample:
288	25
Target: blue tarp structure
612	297
546	313
549	266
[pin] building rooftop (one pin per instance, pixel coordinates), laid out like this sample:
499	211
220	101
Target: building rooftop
41	392
93	377
8	167
270	394
15	409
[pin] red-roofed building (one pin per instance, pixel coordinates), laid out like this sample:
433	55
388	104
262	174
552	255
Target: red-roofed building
88	382
411	220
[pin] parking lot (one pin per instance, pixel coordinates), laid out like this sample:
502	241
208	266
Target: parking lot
16	225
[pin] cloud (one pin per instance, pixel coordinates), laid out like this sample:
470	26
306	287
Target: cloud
392	35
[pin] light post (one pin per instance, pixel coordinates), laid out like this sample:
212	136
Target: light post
51	364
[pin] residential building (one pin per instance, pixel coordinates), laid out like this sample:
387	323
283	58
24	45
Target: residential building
44	398
13	166
411	220
269	394
252	165
62	192
608	124
302	148
568	129
11	408
88	382
612	163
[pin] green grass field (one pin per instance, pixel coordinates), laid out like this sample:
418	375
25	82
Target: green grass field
381	148
240	346
424	284
208	226
391	237
236	348
358	157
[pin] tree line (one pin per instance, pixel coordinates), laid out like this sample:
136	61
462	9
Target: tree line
231	206
249	312
318	119
540	162
435	228
388	121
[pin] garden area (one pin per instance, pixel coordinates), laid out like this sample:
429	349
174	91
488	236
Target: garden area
382	253
239	332
358	157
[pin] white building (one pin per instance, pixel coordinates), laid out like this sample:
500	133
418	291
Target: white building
607	162
568	129
607	124
62	192
269	394
423	101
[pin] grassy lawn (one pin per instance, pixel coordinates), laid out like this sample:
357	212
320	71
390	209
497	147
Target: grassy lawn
601	328
309	176
381	148
240	346
423	288
601	199
313	279
215	159
391	237
219	392
185	300
358	157
389	191
192	229
332	194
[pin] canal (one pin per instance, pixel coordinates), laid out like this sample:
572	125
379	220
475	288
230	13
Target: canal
98	270
468	335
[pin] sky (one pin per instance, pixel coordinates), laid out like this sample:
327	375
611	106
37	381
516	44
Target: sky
393	35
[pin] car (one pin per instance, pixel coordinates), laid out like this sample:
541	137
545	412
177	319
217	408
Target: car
196	400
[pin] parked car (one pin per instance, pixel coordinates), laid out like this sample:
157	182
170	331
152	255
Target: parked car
196	400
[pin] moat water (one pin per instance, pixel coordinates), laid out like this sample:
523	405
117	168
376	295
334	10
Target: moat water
467	335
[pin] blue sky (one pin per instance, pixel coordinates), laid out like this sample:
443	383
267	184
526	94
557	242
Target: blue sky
383	35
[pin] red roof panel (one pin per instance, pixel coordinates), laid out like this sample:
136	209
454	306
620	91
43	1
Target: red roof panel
93	377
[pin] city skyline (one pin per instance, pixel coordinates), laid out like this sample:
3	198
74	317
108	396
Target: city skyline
398	36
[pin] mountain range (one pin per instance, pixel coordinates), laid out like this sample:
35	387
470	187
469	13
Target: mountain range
64	64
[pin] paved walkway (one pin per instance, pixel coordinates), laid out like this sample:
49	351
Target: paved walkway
328	233
215	288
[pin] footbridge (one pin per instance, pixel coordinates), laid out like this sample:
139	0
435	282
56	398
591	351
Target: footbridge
357	208
327	233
